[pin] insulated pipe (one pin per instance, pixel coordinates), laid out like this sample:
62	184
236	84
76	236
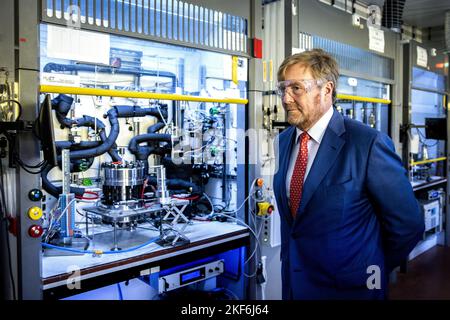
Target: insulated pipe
133	146
112	114
62	104
82	145
175	184
143	152
155	127
136	111
54	190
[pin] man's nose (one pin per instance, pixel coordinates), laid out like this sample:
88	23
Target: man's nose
287	97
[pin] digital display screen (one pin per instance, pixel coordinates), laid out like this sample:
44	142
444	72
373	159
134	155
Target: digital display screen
192	276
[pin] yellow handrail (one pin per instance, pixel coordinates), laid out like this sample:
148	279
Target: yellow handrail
136	94
428	161
364	99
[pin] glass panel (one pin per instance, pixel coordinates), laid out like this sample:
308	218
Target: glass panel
356	59
375	115
150	66
428	80
427	105
143	59
363	88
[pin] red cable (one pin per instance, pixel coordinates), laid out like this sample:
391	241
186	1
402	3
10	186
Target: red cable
186	198
88	198
143	188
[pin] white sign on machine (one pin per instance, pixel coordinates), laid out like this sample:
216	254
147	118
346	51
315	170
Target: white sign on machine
422	57
376	39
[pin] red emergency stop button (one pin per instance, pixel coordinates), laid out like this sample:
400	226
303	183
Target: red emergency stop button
35	231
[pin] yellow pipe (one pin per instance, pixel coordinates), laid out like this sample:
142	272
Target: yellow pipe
135	94
428	161
365	99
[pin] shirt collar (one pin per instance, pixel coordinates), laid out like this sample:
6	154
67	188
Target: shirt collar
317	131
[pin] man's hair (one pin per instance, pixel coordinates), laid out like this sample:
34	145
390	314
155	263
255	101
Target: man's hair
321	64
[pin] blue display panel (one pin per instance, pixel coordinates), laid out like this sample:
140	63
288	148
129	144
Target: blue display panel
192	276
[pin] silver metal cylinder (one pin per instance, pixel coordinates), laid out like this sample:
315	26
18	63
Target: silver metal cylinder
126	174
123	182
162	191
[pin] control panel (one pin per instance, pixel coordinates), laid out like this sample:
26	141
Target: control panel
185	277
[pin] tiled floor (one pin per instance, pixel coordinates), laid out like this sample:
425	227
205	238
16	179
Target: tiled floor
427	277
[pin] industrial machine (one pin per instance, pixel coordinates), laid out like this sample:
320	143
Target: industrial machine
143	153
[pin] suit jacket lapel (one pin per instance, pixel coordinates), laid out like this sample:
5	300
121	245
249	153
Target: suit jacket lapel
329	149
285	150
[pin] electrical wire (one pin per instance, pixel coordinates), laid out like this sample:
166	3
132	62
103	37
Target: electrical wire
41	165
422	139
3	221
52	224
16	102
246	225
120	291
95	196
210	202
185	198
160	113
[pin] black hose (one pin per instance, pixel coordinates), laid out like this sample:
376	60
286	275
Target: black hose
136	111
174	184
54	190
76	146
113	114
155	127
107	143
62	104
133	146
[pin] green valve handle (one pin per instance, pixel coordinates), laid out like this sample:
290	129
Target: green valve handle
214	111
87	182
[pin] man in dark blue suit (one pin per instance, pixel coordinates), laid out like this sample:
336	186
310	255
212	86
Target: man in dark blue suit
348	212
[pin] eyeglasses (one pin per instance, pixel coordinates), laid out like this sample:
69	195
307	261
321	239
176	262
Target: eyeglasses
296	87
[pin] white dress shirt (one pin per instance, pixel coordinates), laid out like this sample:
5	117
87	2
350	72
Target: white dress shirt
316	133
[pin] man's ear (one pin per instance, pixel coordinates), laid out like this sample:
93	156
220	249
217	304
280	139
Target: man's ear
329	87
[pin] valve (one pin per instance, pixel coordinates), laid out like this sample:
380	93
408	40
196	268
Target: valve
35	195
35	231
35	213
259	182
265	208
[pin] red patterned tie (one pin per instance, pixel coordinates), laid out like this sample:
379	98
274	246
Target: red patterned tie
299	174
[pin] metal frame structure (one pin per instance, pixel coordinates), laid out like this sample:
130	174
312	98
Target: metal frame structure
409	56
20	58
20	55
